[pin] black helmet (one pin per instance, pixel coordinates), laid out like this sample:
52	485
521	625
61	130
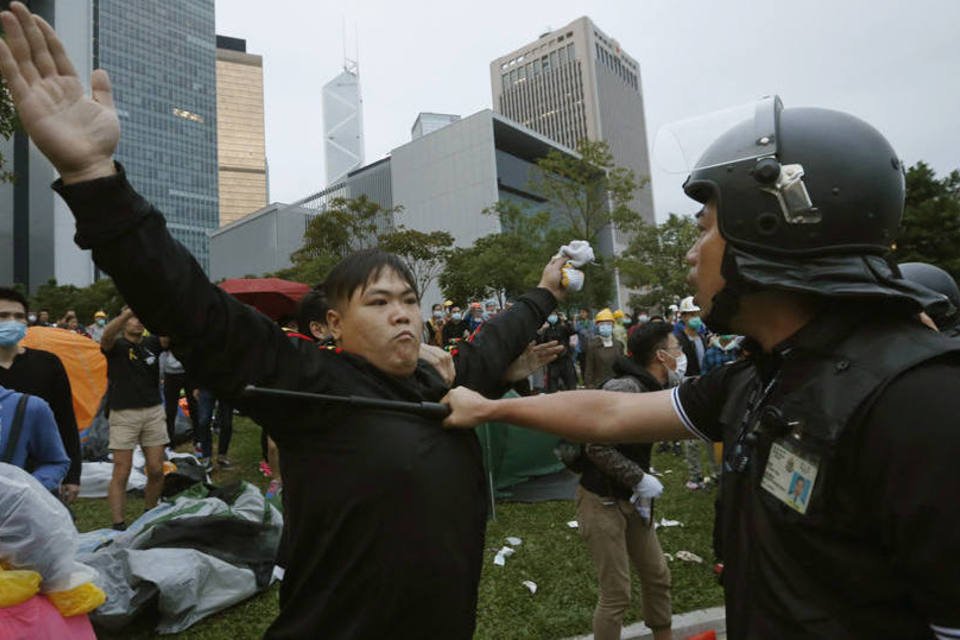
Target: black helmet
935	279
808	200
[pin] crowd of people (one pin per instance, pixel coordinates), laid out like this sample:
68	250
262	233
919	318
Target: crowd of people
836	515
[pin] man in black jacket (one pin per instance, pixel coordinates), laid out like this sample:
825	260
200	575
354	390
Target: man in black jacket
386	510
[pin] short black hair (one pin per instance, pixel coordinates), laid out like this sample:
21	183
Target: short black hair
7	293
313	308
646	339
359	269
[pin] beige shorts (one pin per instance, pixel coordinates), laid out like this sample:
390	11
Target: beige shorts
130	427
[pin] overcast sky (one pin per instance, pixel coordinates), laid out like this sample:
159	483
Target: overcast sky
895	64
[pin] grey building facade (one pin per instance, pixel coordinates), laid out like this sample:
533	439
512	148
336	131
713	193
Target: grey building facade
161	57
574	83
36	226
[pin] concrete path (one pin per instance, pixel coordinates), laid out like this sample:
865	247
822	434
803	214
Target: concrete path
684	626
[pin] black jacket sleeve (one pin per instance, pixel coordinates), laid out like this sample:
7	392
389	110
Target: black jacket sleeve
61	403
482	360
223	343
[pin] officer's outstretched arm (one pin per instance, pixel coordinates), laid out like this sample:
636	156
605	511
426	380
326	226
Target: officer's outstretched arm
588	416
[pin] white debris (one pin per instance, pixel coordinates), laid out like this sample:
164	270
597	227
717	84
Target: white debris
501	558
573	524
689	556
669	523
514	541
668	556
530	584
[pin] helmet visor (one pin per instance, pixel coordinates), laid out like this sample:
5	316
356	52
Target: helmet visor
730	135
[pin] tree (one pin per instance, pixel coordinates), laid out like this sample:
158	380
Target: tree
424	252
588	194
930	229
347	225
500	265
8	124
655	261
101	295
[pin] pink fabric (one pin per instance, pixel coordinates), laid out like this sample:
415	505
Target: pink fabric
38	619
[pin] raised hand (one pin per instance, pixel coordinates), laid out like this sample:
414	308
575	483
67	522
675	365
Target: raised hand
78	133
533	358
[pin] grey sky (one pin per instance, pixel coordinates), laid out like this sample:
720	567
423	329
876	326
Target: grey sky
895	64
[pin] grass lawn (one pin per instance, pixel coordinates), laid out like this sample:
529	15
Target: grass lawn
551	555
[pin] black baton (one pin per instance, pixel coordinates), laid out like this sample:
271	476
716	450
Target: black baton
433	410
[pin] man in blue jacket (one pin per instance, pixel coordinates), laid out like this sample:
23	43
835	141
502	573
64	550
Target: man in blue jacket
38	443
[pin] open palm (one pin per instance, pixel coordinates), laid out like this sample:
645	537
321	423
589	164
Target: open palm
78	133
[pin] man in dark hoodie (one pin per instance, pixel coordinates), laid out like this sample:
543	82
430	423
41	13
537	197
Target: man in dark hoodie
614	505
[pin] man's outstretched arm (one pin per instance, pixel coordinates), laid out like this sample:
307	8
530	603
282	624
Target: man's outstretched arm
586	416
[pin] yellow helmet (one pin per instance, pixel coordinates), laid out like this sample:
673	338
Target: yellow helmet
604	316
618	314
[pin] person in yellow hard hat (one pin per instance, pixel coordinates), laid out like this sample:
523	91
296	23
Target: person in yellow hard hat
602	351
95	330
620	321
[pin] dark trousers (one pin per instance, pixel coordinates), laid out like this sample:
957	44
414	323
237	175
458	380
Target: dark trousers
561	374
172	384
222	420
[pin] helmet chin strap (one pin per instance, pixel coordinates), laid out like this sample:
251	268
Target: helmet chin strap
726	302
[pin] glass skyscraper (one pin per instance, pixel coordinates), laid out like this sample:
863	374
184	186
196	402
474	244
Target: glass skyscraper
161	57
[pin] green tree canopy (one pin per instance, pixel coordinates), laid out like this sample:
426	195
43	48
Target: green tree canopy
655	261
930	230
58	299
8	124
425	253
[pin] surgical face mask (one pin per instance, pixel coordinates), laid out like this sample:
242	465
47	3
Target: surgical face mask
11	332
673	379
101	322
605	329
643	318
457	316
695	323
32	318
437	313
552	318
680	362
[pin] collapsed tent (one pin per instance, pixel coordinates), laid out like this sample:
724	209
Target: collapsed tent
206	550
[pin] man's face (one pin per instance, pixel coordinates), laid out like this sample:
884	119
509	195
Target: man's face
705	257
43	317
12	310
382	324
584	314
133	327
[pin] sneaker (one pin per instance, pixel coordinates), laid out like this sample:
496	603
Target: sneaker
224	462
265	469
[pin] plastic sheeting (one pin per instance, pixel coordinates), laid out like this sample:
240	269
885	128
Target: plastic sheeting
188	558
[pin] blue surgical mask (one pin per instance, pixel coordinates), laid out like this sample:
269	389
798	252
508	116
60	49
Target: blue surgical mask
11	332
457	317
552	318
605	329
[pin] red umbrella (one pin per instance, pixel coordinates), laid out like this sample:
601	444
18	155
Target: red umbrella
272	296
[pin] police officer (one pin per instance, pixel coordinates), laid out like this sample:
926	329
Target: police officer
946	317
838	507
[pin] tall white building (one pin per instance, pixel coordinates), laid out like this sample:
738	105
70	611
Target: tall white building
343	123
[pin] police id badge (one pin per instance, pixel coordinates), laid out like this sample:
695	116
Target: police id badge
790	476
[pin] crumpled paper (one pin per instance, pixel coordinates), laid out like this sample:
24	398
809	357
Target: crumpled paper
530	584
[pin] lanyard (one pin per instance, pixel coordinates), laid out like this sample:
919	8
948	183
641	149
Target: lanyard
739	458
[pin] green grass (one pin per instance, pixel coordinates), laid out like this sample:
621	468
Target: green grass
552	555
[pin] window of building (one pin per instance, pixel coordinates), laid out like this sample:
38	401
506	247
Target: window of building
571	52
545	62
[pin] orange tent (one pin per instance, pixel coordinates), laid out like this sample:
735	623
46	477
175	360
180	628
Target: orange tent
85	364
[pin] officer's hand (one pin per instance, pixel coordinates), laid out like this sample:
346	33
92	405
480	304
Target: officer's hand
77	133
551	277
69	492
533	358
468	408
440	360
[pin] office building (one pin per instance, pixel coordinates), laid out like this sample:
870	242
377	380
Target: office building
430	122
342	123
36	227
241	149
161	57
575	83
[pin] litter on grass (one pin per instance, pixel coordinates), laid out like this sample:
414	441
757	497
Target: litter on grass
501	558
514	541
573	524
530	584
688	556
669	523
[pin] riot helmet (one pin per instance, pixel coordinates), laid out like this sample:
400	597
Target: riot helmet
808	200
936	279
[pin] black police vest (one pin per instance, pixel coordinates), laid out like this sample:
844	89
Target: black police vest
820	574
